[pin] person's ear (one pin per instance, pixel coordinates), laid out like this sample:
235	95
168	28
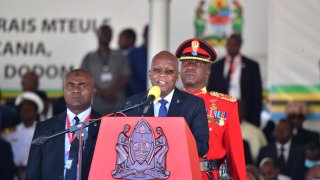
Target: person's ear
178	75
149	74
208	71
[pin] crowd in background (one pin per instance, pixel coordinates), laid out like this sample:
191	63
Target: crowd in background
280	150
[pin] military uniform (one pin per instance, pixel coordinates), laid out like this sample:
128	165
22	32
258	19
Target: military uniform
225	134
225	158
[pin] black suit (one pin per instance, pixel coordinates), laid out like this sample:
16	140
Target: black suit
182	105
250	86
247	152
47	161
296	157
7	168
9	117
304	136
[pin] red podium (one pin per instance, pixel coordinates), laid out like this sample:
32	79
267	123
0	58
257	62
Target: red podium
177	160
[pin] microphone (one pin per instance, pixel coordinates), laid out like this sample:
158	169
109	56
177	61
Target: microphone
153	94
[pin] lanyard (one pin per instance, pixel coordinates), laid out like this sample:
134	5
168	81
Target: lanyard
233	65
70	140
104	58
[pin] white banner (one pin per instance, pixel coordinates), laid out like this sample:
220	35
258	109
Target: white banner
294	42
52	37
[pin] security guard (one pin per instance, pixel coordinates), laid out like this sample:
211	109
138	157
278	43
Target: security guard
225	158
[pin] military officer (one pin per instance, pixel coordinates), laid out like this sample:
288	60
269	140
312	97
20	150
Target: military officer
225	157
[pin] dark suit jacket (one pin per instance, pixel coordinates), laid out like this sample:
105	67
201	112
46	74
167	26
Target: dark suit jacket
47	161
7	168
185	105
9	117
296	157
304	136
247	152
250	82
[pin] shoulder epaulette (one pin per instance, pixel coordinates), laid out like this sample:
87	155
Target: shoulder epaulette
223	96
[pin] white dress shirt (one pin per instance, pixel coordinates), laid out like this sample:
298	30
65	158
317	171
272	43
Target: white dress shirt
20	141
234	86
157	104
286	149
82	116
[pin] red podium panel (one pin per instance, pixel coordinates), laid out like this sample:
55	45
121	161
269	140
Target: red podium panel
181	159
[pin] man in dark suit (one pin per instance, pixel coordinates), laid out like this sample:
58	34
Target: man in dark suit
238	76
52	160
287	153
297	114
7	168
164	73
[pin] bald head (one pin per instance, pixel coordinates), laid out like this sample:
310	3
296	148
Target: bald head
164	72
165	55
313	173
269	169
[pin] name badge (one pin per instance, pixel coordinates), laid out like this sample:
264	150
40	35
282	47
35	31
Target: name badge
68	164
106	76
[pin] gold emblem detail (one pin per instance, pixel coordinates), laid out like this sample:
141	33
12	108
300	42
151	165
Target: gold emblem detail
213	107
223	96
195	45
219	121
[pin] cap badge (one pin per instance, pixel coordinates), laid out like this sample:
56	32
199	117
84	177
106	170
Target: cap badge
195	47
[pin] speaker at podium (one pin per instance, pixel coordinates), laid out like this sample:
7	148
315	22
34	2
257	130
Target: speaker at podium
145	148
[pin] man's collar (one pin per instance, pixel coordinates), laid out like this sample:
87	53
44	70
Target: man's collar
81	116
286	145
168	97
235	57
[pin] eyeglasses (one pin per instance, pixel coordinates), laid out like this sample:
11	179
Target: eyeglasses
165	71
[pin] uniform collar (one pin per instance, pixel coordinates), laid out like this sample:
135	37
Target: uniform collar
198	92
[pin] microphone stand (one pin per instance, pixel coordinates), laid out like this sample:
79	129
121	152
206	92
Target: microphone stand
43	139
82	137
127	109
80	150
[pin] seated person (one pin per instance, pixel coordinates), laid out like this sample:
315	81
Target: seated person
29	106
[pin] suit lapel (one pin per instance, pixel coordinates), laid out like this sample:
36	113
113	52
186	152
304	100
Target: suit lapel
225	82
243	74
92	137
150	112
290	160
59	126
174	104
